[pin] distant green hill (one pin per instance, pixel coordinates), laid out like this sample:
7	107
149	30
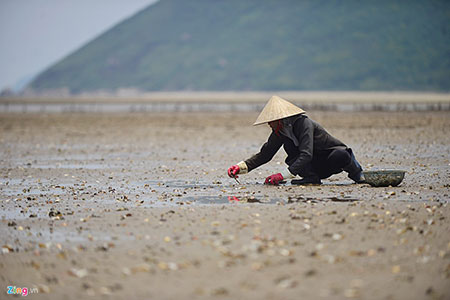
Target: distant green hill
266	45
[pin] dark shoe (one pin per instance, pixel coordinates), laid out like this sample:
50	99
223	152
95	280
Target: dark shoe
354	169
306	181
358	177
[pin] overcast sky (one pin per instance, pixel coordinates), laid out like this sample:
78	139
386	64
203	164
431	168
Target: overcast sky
34	34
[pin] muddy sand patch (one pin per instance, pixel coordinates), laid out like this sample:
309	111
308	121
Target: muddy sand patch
139	206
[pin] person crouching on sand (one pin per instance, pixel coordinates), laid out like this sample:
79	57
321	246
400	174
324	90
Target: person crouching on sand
312	153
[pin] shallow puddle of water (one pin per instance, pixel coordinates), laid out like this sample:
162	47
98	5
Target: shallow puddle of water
187	184
18	213
74	166
19	191
230	200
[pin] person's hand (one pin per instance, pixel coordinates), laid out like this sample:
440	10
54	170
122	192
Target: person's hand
274	179
233	171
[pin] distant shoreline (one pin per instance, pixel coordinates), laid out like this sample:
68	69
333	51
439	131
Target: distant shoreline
307	97
228	101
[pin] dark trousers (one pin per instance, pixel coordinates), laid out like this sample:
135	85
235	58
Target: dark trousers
327	163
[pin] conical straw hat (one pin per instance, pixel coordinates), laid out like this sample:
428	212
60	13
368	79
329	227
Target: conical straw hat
277	108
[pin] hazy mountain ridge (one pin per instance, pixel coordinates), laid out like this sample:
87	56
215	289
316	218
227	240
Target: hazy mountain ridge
266	45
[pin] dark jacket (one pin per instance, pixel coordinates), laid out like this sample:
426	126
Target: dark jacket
302	138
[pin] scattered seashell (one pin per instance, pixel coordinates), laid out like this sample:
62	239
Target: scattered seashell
80	273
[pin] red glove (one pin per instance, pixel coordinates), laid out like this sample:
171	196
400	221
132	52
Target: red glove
274	179
233	171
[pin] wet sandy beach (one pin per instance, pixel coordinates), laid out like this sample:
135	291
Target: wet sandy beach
138	205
